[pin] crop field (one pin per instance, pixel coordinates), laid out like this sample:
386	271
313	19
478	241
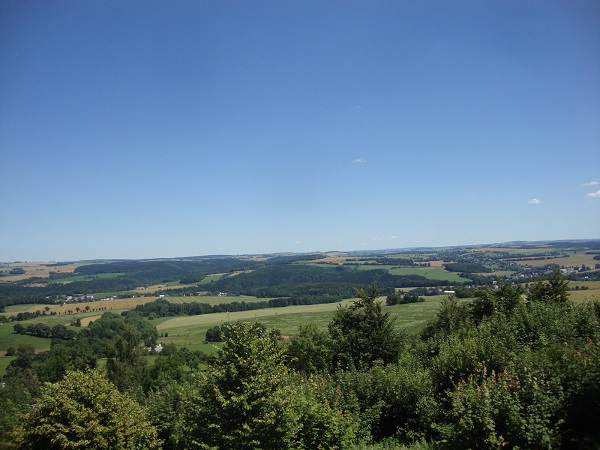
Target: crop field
162	286
63	309
190	330
575	259
590	295
36	269
120	304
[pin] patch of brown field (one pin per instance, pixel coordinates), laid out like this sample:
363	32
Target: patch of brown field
158	287
575	260
333	259
592	295
37	269
589	284
162	286
436	263
86	320
100	305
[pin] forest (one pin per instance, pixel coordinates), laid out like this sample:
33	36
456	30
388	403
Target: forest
514	367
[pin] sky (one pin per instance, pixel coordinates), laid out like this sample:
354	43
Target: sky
147	129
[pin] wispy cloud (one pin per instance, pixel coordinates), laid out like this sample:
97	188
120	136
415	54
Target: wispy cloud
594	194
359	160
592	183
534	201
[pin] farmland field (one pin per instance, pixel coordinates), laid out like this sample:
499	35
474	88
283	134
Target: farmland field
585	296
105	305
575	259
36	269
8	338
158	287
191	329
119	304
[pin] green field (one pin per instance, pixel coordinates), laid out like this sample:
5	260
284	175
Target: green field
8	338
4	362
191	330
436	273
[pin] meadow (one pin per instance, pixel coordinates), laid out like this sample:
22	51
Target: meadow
190	330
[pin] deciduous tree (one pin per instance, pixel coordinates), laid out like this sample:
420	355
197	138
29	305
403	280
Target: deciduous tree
86	411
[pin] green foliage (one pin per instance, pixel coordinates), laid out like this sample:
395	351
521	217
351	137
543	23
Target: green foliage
492	410
396	401
15	399
503	300
245	400
100	333
554	289
217	333
451	317
53	365
126	367
309	351
163	410
167	370
362	333
86	411
400	298
326	419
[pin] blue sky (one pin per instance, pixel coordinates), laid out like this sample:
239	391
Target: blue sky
162	129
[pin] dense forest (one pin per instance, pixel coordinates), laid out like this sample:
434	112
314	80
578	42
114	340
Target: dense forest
511	368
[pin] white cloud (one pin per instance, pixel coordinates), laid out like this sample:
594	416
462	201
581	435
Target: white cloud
594	194
394	237
534	201
592	183
359	160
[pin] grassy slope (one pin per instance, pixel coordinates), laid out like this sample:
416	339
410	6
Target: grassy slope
191	329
